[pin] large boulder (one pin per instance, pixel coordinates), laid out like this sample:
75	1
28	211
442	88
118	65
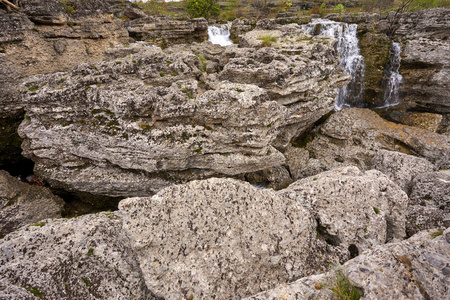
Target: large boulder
80	258
19	202
134	125
416	268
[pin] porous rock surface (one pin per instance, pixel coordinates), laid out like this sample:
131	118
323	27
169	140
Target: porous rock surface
352	136
88	257
416	268
211	239
22	204
131	126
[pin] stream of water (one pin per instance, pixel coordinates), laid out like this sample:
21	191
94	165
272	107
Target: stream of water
392	76
219	35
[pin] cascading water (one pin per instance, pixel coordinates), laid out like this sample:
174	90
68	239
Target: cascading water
392	77
351	59
219	35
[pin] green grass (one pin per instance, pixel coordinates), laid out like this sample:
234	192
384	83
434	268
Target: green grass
344	289
436	234
376	210
36	292
267	40
39	224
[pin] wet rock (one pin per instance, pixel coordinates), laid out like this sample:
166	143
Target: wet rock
134	125
416	268
72	259
401	168
22	204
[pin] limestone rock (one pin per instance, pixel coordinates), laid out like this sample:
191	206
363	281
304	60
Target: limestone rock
425	217
416	268
401	168
22	204
353	136
212	235
335	195
428	121
431	189
134	125
80	258
165	30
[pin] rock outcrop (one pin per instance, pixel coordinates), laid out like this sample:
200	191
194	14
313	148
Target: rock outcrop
49	36
352	137
132	126
22	204
211	239
416	268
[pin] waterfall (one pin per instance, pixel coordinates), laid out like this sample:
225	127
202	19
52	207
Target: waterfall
351	59
392	77
219	35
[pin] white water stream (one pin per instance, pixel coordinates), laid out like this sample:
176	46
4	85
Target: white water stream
219	35
351	59
393	78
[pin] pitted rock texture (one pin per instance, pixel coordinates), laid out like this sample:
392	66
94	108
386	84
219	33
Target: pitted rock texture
207	238
134	125
432	189
380	205
22	204
416	268
352	136
28	48
88	257
210	239
401	168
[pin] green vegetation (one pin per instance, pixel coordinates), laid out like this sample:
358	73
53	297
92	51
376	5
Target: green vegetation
154	7
36	292
339	9
202	8
86	281
344	289
267	40
33	88
68	6
376	210
90	251
39	224
436	234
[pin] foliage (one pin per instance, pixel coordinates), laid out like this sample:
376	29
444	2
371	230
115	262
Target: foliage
68	6
322	10
267	40
202	8
377	5
344	289
425	4
154	7
339	9
436	234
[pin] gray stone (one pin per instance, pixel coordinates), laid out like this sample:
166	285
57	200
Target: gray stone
425	217
22	204
432	189
401	168
80	258
416	268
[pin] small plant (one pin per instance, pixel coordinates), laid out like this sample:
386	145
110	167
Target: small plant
90	252
68	6
62	80
198	150
36	292
146	127
33	88
267	40
344	289
322	10
239	90
376	210
202	8
436	234
86	281
39	224
268	152
339	9
118	62
161	74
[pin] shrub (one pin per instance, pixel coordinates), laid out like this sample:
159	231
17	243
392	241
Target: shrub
322	10
267	40
202	8
154	7
339	9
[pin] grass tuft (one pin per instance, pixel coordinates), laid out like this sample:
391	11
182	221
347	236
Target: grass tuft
267	40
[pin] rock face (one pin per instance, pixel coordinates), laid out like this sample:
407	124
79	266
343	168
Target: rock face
79	258
353	136
47	38
131	126
425	63
166	31
210	239
413	269
22	204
